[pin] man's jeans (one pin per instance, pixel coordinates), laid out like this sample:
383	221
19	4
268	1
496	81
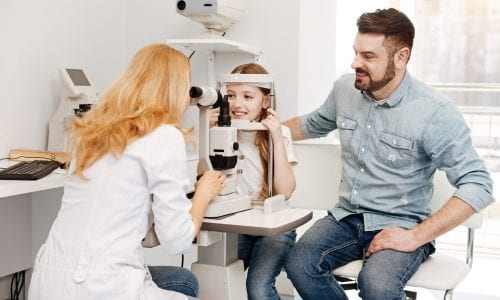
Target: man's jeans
329	244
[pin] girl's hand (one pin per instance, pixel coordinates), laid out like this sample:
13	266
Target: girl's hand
273	123
214	116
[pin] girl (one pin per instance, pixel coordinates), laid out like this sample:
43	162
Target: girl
264	256
127	148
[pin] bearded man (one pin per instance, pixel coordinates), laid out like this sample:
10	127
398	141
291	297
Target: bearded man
395	132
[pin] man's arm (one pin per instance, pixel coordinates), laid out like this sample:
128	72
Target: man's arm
295	128
452	214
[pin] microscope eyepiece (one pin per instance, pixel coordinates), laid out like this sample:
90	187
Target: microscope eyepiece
204	96
195	92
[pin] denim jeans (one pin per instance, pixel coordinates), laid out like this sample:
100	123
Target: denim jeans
176	279
329	244
264	256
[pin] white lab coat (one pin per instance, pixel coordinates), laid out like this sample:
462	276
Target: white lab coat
94	250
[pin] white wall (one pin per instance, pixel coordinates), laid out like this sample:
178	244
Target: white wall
37	37
316	66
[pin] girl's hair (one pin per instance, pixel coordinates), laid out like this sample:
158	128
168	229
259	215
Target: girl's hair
262	137
153	90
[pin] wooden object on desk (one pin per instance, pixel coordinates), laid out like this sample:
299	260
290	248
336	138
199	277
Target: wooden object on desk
29	155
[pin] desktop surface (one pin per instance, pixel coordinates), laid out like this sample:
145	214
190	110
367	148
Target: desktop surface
255	222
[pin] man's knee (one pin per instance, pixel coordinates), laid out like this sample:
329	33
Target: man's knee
374	285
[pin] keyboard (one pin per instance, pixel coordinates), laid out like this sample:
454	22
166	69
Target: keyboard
29	170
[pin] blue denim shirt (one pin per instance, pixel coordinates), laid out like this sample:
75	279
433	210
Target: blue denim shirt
390	152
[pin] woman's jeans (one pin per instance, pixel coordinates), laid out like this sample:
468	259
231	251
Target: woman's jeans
329	244
175	279
264	256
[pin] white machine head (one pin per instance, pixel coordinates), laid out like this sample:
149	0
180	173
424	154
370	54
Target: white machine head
218	15
77	97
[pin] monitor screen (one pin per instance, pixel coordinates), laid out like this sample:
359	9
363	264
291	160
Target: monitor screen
78	77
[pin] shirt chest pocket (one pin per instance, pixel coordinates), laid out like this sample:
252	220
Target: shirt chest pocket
346	127
395	151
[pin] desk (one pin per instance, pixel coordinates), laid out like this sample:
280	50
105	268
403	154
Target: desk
219	272
27	209
17	187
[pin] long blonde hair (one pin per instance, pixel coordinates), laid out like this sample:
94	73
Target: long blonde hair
262	136
153	90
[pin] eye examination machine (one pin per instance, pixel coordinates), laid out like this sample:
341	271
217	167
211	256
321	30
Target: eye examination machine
218	269
219	144
77	97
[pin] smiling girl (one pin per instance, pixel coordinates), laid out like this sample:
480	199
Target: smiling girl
264	256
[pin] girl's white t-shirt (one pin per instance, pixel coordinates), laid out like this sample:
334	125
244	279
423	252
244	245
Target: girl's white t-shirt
249	165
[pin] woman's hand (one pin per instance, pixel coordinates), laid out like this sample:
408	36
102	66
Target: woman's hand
273	123
207	187
210	184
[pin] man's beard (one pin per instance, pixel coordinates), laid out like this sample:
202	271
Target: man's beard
373	86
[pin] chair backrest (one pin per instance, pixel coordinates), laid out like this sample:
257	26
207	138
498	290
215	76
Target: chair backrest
318	175
443	190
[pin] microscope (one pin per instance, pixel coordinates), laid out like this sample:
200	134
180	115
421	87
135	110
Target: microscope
218	145
77	97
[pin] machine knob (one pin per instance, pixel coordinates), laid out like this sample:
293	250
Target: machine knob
236	146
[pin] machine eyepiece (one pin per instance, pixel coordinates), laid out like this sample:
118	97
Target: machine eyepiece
195	92
181	5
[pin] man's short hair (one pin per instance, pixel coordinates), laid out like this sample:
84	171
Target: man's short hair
395	25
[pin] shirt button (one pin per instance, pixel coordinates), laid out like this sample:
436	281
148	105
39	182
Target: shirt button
343	124
362	170
363	149
239	171
241	157
369	126
355	192
394	142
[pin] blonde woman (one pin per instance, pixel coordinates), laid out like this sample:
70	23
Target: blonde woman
129	164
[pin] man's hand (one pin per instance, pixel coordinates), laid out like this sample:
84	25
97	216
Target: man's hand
394	238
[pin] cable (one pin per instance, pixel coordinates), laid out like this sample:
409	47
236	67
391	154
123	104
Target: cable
17	285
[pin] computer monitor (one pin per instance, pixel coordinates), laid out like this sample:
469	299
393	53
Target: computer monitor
77	83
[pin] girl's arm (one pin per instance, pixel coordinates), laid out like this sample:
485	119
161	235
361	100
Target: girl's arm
284	178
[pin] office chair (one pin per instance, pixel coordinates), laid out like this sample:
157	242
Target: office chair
439	272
